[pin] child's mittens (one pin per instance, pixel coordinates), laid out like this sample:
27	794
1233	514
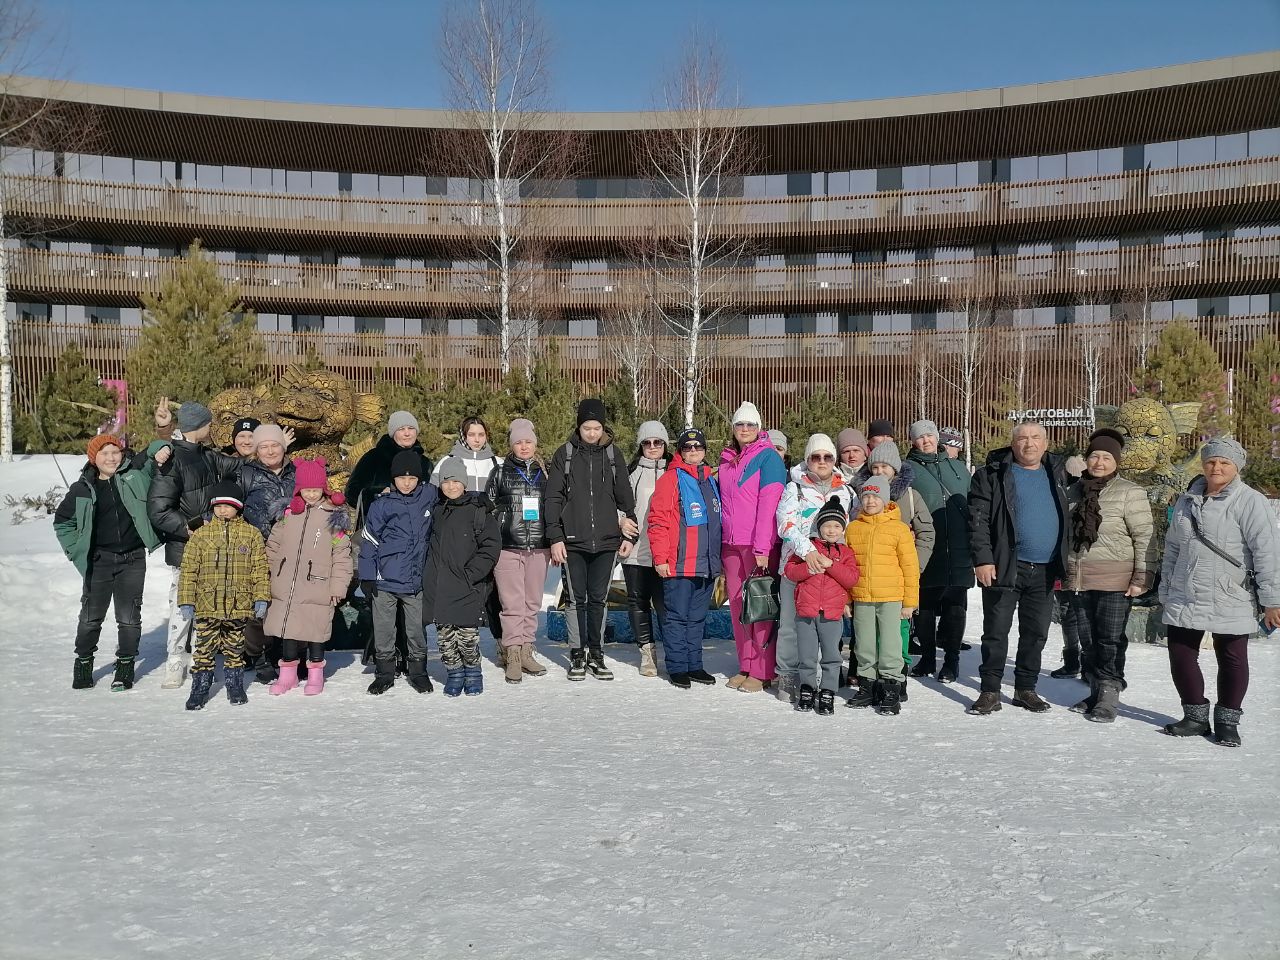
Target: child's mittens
187	611
259	609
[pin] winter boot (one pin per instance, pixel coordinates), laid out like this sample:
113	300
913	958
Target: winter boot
925	668
737	680
599	669
201	683
384	679
950	670
233	680
263	671
754	685
577	664
1070	664
701	676
315	678
528	663
891	699
453	682
1226	723
472	681
1194	722
1086	705
866	694
418	678
786	687
826	703
1108	702
987	703
514	669
804	701
123	680
679	679
902	684
1029	700
82	674
286	679
648	665
175	672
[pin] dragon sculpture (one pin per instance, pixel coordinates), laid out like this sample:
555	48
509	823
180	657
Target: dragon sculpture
1152	450
320	406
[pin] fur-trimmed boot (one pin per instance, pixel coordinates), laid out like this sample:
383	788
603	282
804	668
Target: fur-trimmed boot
315	678
1194	722
286	678
1226	726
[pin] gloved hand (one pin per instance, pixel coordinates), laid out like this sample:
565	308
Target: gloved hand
369	588
259	609
187	611
195	523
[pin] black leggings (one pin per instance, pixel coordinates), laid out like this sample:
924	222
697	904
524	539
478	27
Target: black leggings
1232	652
644	590
290	649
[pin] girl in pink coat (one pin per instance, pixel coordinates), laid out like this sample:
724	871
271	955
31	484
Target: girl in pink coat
752	477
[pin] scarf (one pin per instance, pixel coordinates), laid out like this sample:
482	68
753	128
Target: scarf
1084	525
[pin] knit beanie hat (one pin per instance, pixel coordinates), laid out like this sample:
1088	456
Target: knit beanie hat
819	443
886	452
452	468
692	435
1107	440
227	491
245	425
401	418
268	433
878	486
521	429
193	416
748	413
592	409
881	428
312	475
778	439
94	446
923	428
408	463
653	430
852	437
1224	447
833	509
951	437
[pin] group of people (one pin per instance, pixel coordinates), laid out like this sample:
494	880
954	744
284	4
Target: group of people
262	550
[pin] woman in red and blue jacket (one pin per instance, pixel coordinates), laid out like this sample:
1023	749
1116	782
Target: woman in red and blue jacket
684	538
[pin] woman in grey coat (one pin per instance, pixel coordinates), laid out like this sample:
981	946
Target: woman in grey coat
1223	540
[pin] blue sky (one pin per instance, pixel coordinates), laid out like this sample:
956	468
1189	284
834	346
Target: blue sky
609	55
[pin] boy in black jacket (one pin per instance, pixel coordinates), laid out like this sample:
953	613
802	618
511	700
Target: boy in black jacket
465	543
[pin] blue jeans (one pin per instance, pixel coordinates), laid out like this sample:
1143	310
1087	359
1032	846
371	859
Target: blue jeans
687	599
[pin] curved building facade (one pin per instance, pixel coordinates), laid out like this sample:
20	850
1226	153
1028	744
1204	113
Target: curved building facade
868	230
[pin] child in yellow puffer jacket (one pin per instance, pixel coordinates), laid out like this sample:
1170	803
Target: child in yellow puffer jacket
887	593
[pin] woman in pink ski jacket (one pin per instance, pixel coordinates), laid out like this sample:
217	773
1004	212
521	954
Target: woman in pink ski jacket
752	477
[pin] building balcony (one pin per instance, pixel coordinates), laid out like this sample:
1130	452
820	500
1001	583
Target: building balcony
1248	189
1240	266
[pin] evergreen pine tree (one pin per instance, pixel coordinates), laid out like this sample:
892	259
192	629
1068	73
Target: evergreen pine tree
69	407
1257	412
196	339
822	411
1184	367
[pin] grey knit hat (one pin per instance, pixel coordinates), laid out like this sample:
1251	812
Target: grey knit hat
193	416
401	418
653	430
886	452
923	428
452	468
778	439
1225	447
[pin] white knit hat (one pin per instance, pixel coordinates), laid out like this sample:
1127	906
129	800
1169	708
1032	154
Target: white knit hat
819	443
747	413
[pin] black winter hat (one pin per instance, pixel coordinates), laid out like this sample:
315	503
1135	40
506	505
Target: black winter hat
245	425
227	491
592	409
406	463
692	435
881	428
833	509
1109	440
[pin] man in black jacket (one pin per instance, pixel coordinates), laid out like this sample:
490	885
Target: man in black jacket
1018	535
180	495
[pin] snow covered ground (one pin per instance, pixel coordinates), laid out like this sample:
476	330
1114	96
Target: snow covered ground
607	820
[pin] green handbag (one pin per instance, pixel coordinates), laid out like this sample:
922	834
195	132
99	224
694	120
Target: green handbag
760	603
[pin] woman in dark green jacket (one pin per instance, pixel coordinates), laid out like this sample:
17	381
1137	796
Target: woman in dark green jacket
945	582
103	528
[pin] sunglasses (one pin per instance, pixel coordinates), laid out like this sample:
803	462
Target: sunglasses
653	443
693	446
822	458
744	424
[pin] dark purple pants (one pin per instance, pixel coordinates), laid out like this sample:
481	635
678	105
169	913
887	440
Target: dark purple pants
1232	651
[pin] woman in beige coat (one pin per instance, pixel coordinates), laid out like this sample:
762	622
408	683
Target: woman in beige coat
1112	560
309	553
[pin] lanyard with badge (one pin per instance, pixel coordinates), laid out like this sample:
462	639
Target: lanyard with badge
529	506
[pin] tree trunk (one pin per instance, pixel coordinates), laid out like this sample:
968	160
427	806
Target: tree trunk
6	354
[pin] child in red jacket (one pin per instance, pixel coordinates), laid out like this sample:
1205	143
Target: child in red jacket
821	599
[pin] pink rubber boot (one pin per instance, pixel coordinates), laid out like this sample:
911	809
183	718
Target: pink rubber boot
315	678
288	678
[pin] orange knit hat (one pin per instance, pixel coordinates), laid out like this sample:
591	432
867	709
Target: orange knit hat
102	440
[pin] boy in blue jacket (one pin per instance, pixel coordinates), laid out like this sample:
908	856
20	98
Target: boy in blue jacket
393	554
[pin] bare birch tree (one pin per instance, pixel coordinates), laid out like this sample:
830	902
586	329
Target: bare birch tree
1137	300
630	330
696	149
495	55
976	313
